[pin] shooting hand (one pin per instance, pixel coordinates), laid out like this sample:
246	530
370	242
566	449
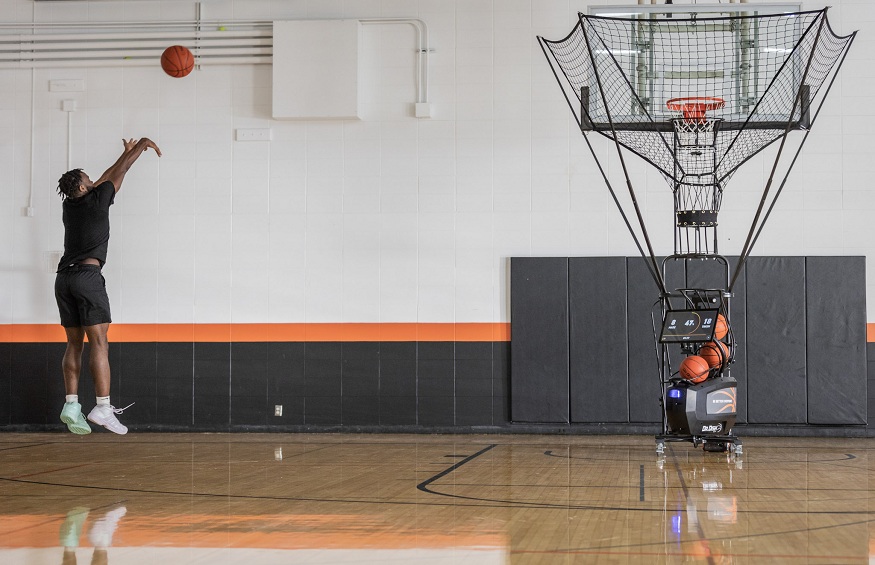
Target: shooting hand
149	143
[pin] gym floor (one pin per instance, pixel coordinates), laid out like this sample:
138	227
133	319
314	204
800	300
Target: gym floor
435	499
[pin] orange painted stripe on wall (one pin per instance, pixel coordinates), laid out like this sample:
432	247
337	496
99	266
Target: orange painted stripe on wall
303	332
166	333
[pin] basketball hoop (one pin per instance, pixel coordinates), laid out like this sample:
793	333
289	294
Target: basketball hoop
694	107
695	129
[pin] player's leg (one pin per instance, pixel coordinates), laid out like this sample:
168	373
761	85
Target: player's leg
72	362
71	365
98	362
98	358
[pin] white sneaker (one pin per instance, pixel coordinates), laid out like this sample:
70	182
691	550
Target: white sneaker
104	415
104	528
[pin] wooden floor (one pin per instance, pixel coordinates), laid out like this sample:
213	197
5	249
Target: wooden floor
263	499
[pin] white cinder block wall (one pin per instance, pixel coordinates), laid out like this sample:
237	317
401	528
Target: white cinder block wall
387	219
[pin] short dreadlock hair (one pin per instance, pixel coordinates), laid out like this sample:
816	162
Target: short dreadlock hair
69	183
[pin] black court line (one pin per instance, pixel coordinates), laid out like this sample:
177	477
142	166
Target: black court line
51	471
423	486
668	488
28	445
641	483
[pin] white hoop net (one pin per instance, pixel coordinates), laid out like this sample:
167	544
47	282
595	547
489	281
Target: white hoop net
696	133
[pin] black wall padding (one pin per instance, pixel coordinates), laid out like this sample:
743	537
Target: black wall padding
644	374
836	314
539	351
597	315
776	335
710	273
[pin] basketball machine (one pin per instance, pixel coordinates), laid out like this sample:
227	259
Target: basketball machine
699	398
696	97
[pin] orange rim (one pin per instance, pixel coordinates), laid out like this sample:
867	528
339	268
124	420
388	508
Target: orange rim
694	107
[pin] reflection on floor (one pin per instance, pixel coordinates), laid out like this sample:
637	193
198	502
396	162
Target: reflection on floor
166	499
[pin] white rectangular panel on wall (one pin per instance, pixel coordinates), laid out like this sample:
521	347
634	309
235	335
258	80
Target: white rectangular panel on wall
316	69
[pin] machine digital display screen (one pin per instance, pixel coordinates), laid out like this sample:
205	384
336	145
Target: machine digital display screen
688	325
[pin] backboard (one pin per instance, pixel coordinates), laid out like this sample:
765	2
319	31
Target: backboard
696	69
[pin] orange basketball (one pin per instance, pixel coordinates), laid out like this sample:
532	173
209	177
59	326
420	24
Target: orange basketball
715	353
177	61
694	369
721	328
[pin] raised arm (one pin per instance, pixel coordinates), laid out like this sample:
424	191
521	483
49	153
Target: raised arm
133	149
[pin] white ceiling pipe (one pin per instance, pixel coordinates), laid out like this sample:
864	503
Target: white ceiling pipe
88	26
4	38
248	60
121	55
149	44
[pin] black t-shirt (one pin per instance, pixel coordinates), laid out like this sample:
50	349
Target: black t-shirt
86	225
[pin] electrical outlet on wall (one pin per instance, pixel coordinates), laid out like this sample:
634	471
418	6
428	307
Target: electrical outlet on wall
253	134
67	85
278	410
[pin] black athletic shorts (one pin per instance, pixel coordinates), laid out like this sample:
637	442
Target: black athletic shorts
81	294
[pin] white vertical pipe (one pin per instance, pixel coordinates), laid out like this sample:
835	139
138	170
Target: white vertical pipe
422	47
32	120
69	140
197	35
32	136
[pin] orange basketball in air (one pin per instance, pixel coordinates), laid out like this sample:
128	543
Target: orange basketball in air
721	328
715	353
694	369
177	61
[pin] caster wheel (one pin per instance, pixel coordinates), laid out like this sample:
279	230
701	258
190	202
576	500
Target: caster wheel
715	447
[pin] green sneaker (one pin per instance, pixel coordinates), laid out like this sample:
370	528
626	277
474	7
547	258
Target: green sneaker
71	529
72	416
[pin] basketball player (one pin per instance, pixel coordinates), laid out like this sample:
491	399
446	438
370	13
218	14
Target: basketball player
80	289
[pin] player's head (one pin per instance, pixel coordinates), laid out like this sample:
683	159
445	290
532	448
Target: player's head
70	182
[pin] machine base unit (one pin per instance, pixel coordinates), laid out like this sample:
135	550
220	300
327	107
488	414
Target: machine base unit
701	413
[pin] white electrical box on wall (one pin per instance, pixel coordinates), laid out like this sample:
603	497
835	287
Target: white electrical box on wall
316	68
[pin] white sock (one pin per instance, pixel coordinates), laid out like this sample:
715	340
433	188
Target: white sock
102	400
72	398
